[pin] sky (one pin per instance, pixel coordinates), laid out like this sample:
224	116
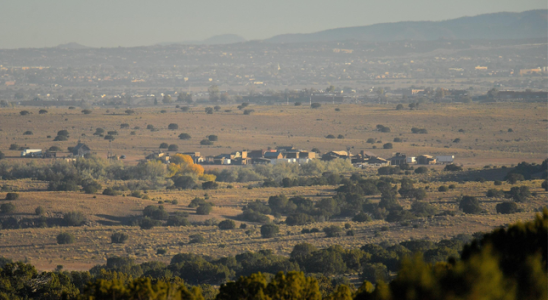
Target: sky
127	23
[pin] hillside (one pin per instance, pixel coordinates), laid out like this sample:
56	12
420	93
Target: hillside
504	25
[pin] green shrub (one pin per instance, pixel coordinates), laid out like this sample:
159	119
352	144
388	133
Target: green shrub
204	209
196	239
12	196
226	225
507	208
443	188
269	230
65	238
7	208
74	218
332	231
39	211
118	238
470	205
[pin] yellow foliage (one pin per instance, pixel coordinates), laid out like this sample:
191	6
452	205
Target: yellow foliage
183	164
208	177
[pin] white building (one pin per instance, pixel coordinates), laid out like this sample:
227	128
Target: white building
445	159
31	153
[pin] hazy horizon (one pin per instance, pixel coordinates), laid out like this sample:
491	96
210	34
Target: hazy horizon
36	24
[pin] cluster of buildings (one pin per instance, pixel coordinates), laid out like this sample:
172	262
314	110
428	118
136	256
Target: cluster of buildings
289	154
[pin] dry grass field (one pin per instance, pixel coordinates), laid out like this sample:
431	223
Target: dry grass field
484	140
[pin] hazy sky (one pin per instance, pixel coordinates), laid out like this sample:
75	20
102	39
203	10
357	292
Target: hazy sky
112	23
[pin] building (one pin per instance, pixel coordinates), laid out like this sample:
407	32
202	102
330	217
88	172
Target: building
445	159
426	160
398	159
273	155
253	154
81	150
331	155
31	153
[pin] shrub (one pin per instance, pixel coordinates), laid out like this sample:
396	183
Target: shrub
507	208
451	186
12	196
212	138
54	149
39	211
196	239
519	194
28	132
494	193
60	138
383	128
421	170
173	126
173	147
147	223
42	111
387	146
74	218
184	136
443	188
299	219
470	205
2	155
109	137
452	167
163	146
513	178
457	140
332	231
118	238
184	182
209	185
204	209
86	111
206	142
419	130
110	192
185	108
209	110
7	208
91	187
269	230
65	238
24	112
362	217
124	126
399	107
298	103
226	225
370	141
340	136
397	140
129	111
544	185
248	111
497	182
329	136
315	105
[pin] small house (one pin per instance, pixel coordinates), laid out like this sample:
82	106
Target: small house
273	155
398	159
337	154
81	150
256	154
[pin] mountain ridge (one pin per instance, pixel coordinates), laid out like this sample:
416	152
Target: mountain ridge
501	25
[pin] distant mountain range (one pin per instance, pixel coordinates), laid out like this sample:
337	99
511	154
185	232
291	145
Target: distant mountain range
504	25
221	39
